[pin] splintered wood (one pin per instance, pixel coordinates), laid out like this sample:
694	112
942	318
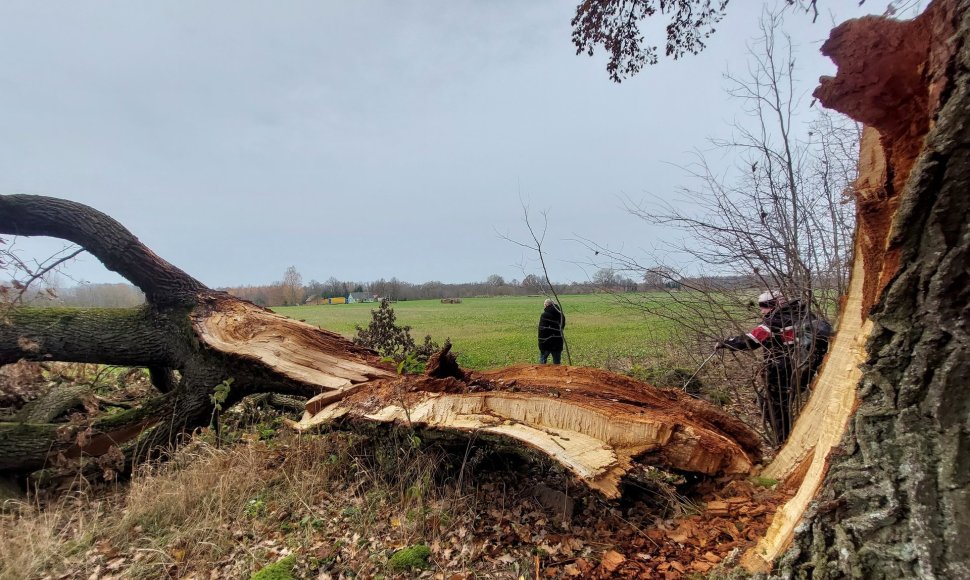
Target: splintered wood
596	424
820	426
296	350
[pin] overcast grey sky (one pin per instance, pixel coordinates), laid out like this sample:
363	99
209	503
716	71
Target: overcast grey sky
360	139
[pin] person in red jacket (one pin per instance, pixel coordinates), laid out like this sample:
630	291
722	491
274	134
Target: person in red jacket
794	341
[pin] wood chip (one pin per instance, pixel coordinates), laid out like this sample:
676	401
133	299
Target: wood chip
718	508
700	566
612	560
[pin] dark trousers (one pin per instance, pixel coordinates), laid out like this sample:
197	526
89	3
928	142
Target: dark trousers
783	396
544	356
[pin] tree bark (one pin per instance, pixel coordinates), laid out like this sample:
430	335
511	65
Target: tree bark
102	236
896	502
118	336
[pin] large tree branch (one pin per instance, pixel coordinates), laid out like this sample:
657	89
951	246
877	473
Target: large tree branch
125	337
27	447
211	337
104	237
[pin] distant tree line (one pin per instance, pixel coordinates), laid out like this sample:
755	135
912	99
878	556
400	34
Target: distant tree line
291	290
119	295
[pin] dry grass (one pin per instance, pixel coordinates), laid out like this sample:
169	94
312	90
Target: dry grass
187	513
35	539
342	505
235	510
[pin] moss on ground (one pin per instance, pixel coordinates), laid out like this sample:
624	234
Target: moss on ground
411	558
281	570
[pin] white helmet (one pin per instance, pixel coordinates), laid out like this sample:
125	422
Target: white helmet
771	298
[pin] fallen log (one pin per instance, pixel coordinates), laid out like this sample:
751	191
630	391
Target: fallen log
207	336
596	424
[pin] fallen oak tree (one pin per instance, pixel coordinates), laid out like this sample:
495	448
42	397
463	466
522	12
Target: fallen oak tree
209	337
191	339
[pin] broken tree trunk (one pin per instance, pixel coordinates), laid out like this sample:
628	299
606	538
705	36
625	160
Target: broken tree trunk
879	456
597	424
594	423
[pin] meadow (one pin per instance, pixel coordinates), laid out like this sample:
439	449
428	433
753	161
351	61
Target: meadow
501	331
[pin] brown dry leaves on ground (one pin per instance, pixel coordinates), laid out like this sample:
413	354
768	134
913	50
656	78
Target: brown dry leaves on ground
344	504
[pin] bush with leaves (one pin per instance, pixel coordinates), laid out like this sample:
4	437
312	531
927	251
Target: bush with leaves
393	341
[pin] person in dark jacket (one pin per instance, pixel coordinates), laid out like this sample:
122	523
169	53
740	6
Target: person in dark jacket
551	325
795	341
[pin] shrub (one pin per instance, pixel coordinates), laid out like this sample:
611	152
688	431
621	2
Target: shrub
719	397
393	341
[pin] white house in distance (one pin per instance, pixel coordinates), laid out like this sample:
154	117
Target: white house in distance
355	297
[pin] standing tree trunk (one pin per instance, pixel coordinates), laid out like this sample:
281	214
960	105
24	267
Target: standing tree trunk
885	467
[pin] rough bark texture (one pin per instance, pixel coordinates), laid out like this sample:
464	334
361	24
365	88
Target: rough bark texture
118	336
47	408
896	501
117	248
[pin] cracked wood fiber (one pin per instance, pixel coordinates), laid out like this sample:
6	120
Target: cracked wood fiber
596	424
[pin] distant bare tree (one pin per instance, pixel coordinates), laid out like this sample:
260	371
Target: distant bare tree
101	296
495	281
532	283
605	278
784	218
292	287
21	276
333	287
659	278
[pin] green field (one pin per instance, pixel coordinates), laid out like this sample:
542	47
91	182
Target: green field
501	331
